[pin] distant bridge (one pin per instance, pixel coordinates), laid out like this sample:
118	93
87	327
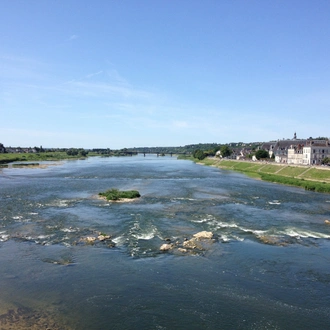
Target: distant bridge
158	153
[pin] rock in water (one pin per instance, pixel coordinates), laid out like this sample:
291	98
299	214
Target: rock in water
166	247
204	235
103	237
193	244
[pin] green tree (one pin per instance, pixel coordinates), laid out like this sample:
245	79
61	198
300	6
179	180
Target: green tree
199	154
225	151
262	154
83	152
72	152
326	160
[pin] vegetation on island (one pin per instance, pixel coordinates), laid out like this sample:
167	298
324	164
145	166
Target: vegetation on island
77	152
55	154
115	194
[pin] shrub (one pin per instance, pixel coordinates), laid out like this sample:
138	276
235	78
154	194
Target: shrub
114	194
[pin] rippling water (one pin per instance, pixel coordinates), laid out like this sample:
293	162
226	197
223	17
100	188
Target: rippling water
267	266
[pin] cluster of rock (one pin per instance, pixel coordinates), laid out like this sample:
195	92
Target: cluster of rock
273	240
199	242
99	238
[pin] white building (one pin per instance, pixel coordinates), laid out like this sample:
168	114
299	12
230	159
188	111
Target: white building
315	151
295	155
312	152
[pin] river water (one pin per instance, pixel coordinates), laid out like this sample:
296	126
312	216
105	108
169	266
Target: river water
267	266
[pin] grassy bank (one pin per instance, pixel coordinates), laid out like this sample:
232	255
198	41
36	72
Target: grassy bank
309	178
22	157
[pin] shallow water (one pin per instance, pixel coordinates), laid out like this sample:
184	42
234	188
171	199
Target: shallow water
267	267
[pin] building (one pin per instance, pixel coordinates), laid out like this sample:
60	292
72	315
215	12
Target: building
282	147
312	152
315	151
295	154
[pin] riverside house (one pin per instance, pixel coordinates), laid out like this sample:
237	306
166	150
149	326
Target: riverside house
298	152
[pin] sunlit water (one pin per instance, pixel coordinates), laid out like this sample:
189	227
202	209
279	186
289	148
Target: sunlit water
266	268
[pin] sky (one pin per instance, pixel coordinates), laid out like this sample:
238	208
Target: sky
115	74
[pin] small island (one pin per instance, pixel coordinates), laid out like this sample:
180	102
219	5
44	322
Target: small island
119	196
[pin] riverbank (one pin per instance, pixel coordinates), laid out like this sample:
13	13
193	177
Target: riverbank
308	177
32	157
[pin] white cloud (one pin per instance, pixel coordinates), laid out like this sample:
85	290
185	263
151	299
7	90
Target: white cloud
73	37
94	74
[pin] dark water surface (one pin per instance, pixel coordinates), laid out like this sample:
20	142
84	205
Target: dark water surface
267	268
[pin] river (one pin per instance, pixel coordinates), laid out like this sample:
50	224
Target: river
267	266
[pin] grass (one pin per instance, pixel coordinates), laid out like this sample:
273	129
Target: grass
25	164
115	194
292	171
308	185
318	174
270	168
314	179
21	157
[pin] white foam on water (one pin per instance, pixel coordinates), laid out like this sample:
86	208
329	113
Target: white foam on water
237	238
209	218
3	236
220	225
298	233
43	236
201	220
33	213
63	203
119	240
59	203
19	217
68	230
225	238
253	231
146	236
184	199
259	232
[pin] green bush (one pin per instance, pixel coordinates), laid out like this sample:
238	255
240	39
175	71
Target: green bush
114	194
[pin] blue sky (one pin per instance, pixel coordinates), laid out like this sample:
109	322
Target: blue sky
117	74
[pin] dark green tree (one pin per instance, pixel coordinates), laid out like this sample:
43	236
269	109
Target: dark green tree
83	152
326	160
262	154
72	152
225	151
199	154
